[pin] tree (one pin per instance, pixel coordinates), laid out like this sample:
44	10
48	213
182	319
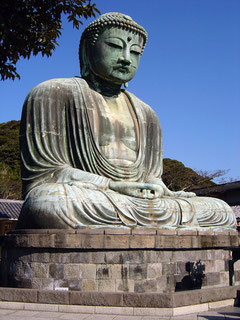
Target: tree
10	183
217	175
33	26
10	180
178	177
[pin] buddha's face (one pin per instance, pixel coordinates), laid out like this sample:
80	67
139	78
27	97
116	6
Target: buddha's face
116	54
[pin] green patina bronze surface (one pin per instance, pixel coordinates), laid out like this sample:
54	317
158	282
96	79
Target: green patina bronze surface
92	152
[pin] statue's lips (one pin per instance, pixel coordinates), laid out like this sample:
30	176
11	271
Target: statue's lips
122	69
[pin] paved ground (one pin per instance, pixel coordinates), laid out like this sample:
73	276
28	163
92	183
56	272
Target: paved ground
227	313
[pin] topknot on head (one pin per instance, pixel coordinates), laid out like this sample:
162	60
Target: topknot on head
112	19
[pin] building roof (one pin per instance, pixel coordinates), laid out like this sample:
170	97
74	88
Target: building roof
10	209
217	188
229	192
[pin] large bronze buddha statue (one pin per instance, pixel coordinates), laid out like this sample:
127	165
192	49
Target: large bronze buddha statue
92	152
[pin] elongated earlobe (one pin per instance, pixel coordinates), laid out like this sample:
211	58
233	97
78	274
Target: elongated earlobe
125	84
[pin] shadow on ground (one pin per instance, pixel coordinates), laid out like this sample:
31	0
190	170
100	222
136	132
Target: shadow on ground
223	316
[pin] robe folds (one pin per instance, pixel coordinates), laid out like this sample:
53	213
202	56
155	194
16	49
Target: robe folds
66	175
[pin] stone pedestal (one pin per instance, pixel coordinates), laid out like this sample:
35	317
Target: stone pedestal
122	260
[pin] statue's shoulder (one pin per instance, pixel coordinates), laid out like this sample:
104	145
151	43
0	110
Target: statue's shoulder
66	84
47	92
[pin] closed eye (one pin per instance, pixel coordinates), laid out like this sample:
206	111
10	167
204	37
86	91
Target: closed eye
135	52
136	49
114	43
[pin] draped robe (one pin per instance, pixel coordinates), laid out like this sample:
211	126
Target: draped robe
66	175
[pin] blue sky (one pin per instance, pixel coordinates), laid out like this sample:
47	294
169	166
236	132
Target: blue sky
189	74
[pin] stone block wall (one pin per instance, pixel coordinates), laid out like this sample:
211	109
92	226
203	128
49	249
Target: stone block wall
237	272
144	261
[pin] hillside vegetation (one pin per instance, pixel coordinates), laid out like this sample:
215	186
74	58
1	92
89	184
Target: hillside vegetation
175	175
178	177
10	181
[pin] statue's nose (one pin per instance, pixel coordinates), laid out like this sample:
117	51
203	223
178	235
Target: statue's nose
125	58
124	61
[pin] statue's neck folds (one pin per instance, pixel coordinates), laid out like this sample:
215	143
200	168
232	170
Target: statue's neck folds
106	88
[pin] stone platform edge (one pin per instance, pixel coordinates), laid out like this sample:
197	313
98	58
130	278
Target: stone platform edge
110	299
121	238
125	311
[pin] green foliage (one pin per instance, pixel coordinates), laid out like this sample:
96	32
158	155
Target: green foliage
178	177
9	146
10	181
33	26
10	184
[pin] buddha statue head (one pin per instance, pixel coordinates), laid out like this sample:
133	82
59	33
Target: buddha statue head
110	49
